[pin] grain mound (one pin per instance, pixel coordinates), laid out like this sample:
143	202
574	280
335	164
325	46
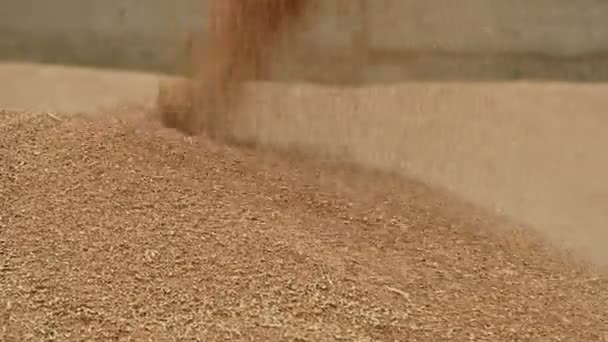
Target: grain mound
110	230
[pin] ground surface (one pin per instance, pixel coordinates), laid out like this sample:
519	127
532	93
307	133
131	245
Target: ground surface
112	228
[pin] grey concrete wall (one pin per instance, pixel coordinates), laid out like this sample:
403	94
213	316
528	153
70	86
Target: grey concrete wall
394	39
553	27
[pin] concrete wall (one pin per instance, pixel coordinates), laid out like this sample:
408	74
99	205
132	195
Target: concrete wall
395	39
553	27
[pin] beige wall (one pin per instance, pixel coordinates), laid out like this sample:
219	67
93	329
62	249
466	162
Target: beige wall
405	39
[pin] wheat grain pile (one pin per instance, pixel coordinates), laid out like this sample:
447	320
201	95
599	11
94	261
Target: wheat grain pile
117	229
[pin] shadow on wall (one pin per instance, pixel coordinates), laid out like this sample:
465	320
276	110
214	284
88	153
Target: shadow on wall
350	41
